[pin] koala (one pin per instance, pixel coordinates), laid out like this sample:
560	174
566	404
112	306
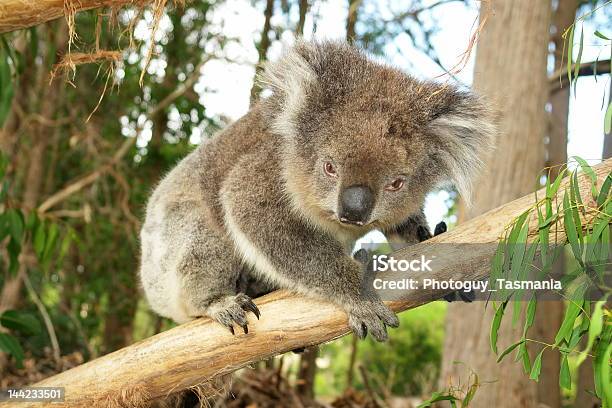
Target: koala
343	145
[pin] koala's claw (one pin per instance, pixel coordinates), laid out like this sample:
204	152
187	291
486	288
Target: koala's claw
247	304
251	307
232	310
372	317
440	228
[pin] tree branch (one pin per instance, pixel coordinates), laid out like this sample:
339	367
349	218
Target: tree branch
88	179
560	80
19	14
200	350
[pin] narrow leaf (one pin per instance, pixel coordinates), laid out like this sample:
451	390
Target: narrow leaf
565	379
537	367
499	314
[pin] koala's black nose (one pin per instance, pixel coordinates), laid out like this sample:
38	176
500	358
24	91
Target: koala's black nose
355	204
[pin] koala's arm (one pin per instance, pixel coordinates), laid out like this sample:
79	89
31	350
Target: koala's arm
296	256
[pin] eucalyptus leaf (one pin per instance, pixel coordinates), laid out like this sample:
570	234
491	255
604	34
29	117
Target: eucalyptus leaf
499	314
537	366
565	379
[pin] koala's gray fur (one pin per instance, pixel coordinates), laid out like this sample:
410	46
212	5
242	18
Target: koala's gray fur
253	208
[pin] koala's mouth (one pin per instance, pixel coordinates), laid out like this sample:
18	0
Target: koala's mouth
344	220
348	224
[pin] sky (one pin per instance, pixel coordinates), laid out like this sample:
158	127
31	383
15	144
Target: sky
225	87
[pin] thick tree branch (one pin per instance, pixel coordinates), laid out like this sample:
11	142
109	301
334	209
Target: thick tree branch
201	350
19	14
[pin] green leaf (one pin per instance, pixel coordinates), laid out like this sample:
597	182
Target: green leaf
6	86
65	245
600	35
52	235
570	228
543	235
578	58
565	379
10	345
601	359
497	264
437	397
571	314
31	221
523	354
537	367
530	315
499	314
20	321
550	192
16	224
605	191
509	350
595	328
570	53
39	240
605	375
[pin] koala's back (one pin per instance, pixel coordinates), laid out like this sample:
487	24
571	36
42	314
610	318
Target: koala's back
188	193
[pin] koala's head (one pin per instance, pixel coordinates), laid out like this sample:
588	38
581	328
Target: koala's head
363	142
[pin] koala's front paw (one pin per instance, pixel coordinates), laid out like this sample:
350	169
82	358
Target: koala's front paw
371	316
231	310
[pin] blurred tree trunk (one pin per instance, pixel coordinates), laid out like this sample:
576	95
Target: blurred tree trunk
549	314
351	20
307	372
303	9
32	164
262	48
510	70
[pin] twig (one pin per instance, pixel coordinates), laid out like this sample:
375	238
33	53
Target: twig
86	180
46	318
368	387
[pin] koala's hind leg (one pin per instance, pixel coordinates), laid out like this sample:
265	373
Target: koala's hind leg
210	274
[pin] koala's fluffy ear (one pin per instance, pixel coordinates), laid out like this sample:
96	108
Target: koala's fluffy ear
290	79
465	130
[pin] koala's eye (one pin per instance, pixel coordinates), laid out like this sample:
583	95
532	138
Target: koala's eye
330	170
395	185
